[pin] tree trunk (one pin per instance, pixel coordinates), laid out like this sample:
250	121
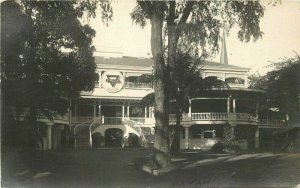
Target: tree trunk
172	49
176	141
161	77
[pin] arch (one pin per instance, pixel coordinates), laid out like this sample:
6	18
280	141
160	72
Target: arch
114	137
97	140
133	140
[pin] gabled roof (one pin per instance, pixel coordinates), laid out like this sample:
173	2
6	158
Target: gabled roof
147	62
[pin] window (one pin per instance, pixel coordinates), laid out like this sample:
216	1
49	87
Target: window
196	132
209	134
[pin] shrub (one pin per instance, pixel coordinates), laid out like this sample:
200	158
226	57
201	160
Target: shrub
217	148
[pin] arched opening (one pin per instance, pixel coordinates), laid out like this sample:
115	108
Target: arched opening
113	137
133	140
97	140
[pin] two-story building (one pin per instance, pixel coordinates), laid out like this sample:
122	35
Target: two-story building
111	115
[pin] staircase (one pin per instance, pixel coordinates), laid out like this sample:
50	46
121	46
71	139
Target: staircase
83	133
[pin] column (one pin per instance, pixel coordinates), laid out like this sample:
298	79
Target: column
233	105
123	111
190	108
256	111
99	115
186	132
257	138
228	104
49	136
246	81
128	111
145	112
94	106
149	112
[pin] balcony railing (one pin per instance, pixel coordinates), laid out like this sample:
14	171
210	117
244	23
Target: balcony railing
112	120
271	122
231	117
138	85
209	116
138	119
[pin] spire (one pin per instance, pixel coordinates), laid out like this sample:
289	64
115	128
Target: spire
223	58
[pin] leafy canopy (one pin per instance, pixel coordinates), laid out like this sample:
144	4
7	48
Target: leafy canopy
47	51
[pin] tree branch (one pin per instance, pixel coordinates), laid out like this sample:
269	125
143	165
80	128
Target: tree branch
146	6
186	12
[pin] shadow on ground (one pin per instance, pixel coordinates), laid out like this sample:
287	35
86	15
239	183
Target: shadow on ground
121	168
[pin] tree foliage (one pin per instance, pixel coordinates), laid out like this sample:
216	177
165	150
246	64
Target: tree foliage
282	83
196	24
47	52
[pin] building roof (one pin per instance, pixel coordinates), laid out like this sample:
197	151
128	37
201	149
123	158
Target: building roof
124	61
219	65
147	62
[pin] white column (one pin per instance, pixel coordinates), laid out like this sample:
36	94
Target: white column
99	113
186	132
49	136
228	104
246	81
257	138
145	112
94	106
190	108
128	111
123	111
233	106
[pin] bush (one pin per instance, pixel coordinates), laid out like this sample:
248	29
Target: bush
231	146
217	148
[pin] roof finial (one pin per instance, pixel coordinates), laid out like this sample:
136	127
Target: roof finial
223	58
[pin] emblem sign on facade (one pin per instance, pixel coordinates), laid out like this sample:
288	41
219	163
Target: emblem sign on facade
112	81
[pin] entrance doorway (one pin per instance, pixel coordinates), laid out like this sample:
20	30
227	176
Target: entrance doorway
113	137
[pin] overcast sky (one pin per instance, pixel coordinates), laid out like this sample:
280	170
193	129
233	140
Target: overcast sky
281	27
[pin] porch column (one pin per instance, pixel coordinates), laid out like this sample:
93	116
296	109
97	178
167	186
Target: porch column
246	81
123	111
145	112
49	136
256	111
128	111
233	106
186	132
99	115
190	108
228	104
257	138
149	112
94	110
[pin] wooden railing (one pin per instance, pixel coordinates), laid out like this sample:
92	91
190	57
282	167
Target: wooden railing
138	119
209	116
112	120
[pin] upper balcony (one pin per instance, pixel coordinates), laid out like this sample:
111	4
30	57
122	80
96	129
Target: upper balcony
53	118
223	118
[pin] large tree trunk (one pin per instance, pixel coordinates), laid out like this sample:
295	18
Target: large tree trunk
161	79
172	50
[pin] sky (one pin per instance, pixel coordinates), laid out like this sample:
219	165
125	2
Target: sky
280	25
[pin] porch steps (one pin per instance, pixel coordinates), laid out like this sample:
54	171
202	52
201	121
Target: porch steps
83	138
